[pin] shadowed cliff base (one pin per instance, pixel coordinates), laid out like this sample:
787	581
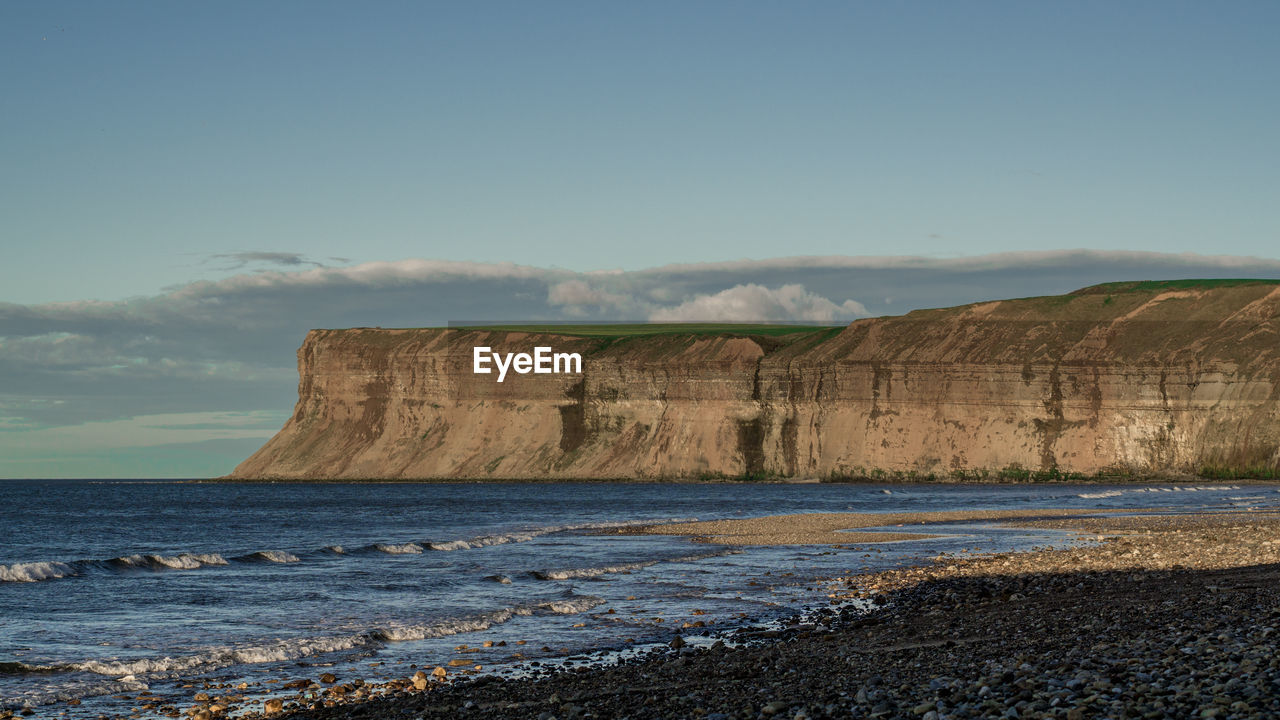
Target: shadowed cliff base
1125	380
1168	616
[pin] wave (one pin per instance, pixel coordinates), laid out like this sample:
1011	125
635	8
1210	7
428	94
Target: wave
570	606
183	561
590	572
404	549
1169	489
272	556
73	691
52	570
577	573
1103	494
534	533
21	668
294	649
35	571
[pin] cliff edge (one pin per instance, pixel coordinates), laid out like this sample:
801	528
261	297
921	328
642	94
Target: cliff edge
1146	378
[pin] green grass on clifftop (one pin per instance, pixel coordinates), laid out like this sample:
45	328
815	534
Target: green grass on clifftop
1158	285
621	330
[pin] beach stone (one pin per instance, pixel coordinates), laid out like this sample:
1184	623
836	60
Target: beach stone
420	681
439	673
677	642
774	707
328	678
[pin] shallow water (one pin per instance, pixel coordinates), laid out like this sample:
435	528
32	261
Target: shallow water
108	588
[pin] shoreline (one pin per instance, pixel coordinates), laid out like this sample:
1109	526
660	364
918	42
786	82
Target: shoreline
837	528
1129	622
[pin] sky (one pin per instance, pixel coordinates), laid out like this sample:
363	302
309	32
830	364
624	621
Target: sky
186	189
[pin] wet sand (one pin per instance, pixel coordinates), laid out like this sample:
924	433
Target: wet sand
826	528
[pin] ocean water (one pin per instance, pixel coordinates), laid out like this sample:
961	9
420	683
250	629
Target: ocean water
114	594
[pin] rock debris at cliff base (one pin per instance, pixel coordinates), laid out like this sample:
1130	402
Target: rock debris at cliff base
1172	616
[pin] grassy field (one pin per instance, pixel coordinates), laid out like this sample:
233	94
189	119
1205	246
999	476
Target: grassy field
1158	285
640	329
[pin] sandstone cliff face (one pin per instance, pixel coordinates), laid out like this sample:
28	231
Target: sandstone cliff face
1152	379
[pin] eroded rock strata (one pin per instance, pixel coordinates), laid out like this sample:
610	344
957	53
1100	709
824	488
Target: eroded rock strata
1144	378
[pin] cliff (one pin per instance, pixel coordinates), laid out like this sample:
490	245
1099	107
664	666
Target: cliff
1171	378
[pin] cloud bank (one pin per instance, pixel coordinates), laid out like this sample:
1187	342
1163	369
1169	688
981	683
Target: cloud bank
228	345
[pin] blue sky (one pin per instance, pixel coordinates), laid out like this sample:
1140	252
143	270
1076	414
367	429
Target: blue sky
154	153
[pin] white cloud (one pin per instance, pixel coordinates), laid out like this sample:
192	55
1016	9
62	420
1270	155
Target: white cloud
751	303
577	294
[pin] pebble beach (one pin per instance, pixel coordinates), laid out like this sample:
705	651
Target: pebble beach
1155	616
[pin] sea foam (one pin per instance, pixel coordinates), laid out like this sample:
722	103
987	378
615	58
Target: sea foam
403	549
591	572
183	561
35	571
297	648
272	556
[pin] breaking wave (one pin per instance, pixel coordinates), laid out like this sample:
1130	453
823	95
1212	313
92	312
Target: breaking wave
1169	489
52	570
184	561
404	549
527	535
297	648
73	690
590	572
272	556
35	571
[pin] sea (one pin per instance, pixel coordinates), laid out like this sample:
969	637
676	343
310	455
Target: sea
122	598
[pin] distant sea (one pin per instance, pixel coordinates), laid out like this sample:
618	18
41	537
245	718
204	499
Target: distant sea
110	589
